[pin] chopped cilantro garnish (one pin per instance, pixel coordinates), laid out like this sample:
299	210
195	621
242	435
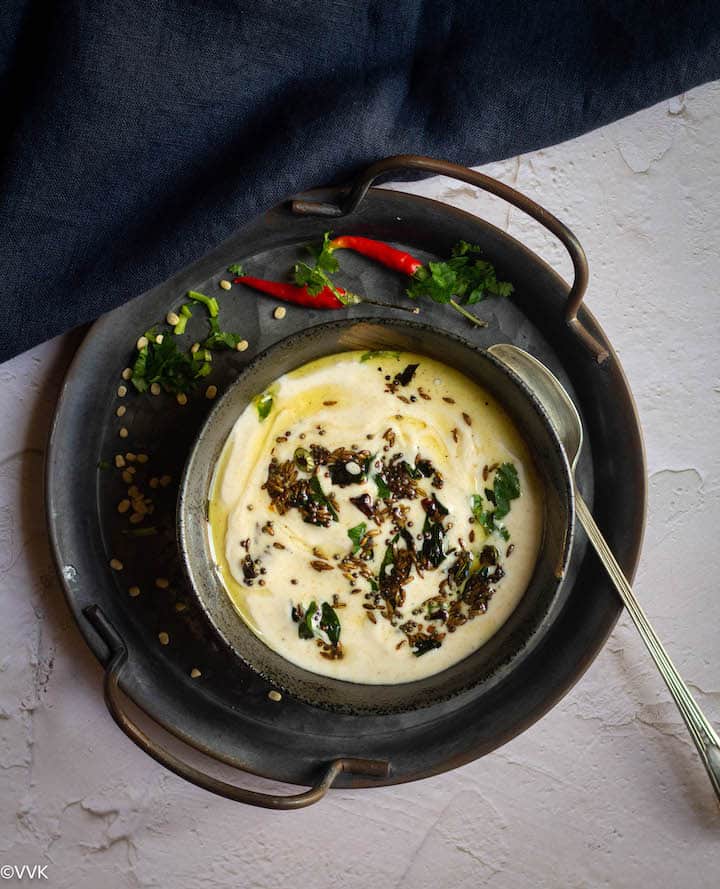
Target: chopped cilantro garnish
383	490
263	404
356	534
165	364
464	277
506	487
236	269
315	278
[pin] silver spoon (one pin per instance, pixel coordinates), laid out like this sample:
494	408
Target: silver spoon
566	420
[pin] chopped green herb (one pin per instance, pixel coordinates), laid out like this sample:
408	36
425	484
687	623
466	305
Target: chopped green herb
356	534
185	313
263	405
316	278
220	339
379	353
506	487
464	277
383	490
210	303
236	269
165	364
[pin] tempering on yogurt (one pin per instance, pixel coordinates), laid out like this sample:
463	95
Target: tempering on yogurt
375	517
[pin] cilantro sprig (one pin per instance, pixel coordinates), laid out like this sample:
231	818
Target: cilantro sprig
506	487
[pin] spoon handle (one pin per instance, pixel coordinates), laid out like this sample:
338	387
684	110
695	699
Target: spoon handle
701	731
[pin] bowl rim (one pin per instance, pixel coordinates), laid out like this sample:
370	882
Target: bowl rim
182	524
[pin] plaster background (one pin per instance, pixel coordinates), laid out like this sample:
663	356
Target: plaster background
606	790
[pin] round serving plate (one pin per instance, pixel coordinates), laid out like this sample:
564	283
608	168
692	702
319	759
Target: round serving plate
226	711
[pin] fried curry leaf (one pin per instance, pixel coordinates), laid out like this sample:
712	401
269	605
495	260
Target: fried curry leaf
433	539
330	623
322	623
356	534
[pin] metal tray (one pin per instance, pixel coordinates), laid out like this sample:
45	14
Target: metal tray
226	712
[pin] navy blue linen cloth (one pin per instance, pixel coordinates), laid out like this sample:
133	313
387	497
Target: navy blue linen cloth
139	134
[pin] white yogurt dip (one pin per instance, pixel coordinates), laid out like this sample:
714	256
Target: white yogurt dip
375	517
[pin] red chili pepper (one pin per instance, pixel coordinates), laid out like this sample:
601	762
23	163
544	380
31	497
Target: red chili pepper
398	260
327	298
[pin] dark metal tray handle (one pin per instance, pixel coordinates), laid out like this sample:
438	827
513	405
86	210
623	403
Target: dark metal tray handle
363	182
113	699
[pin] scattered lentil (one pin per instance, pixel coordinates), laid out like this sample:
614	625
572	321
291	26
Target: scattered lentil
211	392
127	373
123	433
121	411
134	591
159	338
165	480
155	388
280	313
194	348
142	343
119	461
164	638
116	564
274	695
122	391
181	398
142	458
242	345
195	673
162	583
172	318
123	506
226	285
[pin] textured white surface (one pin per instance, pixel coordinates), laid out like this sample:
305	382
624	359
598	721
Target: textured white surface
607	789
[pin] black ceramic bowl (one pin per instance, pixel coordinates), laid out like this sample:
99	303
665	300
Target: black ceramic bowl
526	626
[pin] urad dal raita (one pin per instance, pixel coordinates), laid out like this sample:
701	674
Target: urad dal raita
375	517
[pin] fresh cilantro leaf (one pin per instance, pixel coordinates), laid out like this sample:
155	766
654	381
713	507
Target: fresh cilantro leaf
463	277
163	363
220	339
356	534
506	487
236	269
383	490
324	258
263	405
